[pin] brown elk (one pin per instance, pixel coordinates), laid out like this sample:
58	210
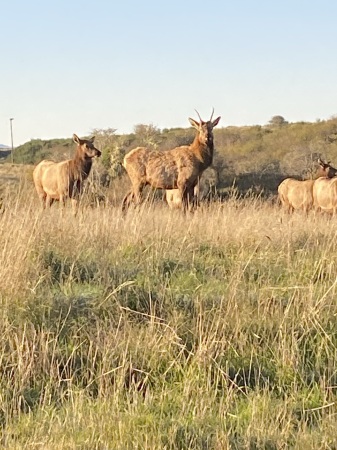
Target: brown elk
178	168
299	195
205	183
62	180
325	193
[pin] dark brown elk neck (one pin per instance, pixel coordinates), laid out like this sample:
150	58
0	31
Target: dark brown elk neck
203	151
80	166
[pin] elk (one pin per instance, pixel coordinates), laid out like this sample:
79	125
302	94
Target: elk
325	193
205	183
178	168
299	195
296	194
62	180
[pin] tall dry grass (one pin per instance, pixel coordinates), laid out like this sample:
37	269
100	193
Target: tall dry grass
210	330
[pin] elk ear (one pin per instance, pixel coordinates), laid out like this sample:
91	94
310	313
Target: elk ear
216	121
321	163
76	139
92	139
194	123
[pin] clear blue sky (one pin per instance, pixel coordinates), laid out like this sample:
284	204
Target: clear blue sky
69	66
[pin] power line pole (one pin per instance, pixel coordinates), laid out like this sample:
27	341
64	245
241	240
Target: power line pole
12	153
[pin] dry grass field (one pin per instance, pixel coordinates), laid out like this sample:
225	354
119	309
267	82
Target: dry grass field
159	330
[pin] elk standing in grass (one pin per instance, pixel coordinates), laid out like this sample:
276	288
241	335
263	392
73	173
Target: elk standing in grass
296	194
62	180
178	168
325	193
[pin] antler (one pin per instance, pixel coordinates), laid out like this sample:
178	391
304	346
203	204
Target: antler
201	121
212	115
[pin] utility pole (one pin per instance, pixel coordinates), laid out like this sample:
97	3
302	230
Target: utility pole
12	153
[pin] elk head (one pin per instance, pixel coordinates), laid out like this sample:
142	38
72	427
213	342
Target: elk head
328	171
205	129
86	147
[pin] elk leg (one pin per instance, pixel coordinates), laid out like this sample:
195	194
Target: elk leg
137	194
76	196
190	198
49	201
74	205
127	201
183	195
134	196
196	195
187	197
62	202
43	198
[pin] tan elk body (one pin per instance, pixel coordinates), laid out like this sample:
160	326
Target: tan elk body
299	195
62	180
178	168
296	194
325	195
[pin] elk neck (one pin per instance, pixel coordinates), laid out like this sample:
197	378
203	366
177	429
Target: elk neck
81	165
204	152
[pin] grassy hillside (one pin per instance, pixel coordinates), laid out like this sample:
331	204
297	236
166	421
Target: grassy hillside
216	330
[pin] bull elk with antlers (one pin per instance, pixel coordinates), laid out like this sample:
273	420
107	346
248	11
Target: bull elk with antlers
178	168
